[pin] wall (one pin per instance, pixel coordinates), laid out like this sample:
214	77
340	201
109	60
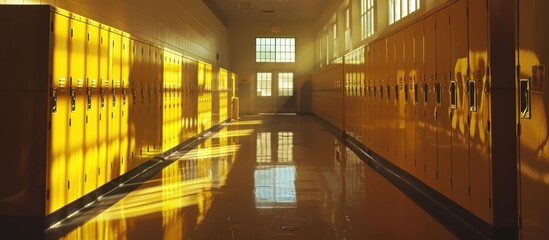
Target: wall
242	41
185	26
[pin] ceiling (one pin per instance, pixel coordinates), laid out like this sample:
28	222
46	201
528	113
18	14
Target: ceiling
270	9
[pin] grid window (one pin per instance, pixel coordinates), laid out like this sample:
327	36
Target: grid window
263	151
285	84
347	29
367	18
264	80
275	49
327	49
399	9
285	147
335	40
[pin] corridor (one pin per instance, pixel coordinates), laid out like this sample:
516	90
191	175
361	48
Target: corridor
262	177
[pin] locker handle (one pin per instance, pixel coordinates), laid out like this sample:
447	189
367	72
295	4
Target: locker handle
438	93
88	91
388	92
525	103
406	93
53	100
396	92
381	91
142	95
472	96
123	96
453	94
113	97
416	93
134	92
73	100
425	93
102	96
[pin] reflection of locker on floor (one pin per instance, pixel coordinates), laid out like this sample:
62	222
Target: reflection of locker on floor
115	102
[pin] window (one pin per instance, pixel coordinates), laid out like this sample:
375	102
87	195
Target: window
264	80
275	49
367	18
347	29
335	40
327	49
399	9
286	84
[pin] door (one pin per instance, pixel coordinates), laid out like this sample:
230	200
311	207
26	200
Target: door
275	92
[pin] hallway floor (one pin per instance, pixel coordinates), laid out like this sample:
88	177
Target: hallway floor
263	177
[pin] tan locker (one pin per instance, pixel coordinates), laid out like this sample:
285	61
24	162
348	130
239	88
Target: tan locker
77	99
125	67
362	107
382	115
400	117
444	143
60	109
373	98
459	104
391	92
419	100
479	129
113	104
370	98
430	98
91	147
104	91
376	65
410	76
533	118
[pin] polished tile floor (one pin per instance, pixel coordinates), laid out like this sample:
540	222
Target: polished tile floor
263	177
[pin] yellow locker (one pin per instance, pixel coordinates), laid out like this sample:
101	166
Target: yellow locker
429	95
60	109
113	104
479	130
533	118
374	74
369	99
419	100
125	67
145	93
91	148
158	91
362	99
77	99
136	116
104	90
444	154
410	75
459	103
391	92
400	118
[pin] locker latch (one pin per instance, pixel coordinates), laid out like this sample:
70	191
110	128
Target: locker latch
113	96
53	100
89	98
102	93
525	98
134	93
453	94
472	95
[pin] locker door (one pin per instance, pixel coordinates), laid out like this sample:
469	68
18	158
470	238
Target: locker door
479	130
368	130
60	108
136	116
77	115
430	98
376	77
113	104
391	100
382	69
459	106
103	133
444	138
532	89
410	76
419	100
147	124
363	100
158	91
124	103
400	117
91	148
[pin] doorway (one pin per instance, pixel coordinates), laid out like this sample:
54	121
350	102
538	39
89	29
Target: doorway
275	92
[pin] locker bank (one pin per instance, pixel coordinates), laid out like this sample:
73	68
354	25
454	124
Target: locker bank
274	119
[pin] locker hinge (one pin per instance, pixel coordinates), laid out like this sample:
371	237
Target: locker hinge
451	182
48	194
519	130
51	26
489	202
518	71
467	11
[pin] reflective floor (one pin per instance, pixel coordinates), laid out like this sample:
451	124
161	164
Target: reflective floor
264	177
